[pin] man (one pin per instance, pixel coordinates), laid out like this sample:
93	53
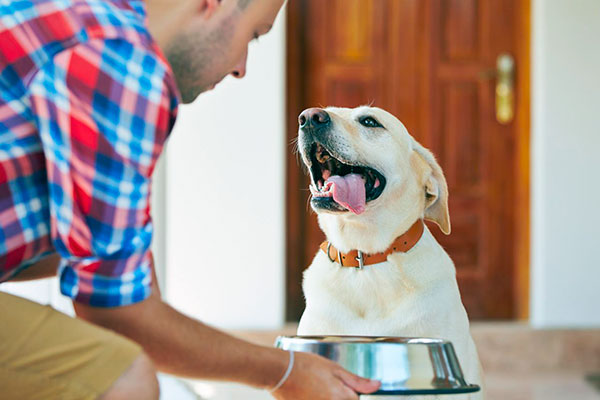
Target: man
87	100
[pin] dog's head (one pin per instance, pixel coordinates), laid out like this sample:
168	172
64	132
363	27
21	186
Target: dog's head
367	170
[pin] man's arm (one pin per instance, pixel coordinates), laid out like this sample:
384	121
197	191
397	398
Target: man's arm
182	346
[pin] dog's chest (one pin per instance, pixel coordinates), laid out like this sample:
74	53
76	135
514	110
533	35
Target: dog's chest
383	299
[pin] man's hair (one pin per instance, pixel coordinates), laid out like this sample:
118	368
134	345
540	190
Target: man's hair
243	4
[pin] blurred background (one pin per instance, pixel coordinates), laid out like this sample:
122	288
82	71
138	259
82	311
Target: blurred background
506	93
518	143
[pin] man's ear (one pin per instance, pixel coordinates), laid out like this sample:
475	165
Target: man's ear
435	191
208	7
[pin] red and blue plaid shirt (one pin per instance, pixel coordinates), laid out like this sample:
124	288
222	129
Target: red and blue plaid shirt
86	103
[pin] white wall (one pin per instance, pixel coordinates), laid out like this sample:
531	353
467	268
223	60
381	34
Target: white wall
566	163
225	197
159	213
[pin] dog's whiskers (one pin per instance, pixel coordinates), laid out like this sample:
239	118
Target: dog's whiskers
308	208
296	152
294	143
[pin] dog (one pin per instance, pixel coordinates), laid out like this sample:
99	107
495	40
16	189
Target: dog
372	185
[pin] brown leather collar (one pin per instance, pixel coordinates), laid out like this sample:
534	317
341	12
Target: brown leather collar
358	259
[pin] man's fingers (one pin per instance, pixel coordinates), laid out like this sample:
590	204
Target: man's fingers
349	394
358	384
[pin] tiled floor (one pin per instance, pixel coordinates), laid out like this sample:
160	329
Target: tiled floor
561	385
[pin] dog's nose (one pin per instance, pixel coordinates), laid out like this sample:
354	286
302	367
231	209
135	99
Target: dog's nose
313	117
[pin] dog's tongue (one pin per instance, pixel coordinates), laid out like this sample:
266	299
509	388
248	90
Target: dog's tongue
348	191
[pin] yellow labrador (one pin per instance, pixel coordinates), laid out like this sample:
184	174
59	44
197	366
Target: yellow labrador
371	183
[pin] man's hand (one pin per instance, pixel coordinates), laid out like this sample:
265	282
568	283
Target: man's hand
316	378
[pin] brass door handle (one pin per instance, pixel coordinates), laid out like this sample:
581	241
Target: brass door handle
505	83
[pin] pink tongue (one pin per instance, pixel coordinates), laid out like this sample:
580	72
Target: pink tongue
348	191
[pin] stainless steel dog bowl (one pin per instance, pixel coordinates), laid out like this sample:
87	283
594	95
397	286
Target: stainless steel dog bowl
405	366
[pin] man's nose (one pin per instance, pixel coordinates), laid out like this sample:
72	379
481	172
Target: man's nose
239	70
313	118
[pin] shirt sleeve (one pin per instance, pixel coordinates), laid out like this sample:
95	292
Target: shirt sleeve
103	110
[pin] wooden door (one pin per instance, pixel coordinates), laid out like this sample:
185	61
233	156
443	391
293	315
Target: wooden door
432	64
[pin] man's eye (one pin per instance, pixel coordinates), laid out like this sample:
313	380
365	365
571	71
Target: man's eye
369	122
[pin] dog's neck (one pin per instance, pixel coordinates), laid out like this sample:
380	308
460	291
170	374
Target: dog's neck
371	232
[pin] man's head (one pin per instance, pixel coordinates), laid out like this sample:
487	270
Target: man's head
206	40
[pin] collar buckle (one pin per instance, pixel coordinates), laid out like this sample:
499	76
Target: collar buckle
339	255
360	259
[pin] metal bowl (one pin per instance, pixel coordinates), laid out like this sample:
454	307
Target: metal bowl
405	366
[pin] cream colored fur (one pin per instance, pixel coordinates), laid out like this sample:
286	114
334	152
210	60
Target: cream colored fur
411	294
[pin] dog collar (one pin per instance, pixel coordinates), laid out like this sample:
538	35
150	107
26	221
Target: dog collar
358	259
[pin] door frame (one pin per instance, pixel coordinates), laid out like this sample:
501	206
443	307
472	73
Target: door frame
296	199
523	165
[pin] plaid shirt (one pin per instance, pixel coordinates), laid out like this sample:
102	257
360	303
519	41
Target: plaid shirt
86	103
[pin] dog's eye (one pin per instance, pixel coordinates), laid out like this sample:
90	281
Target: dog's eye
369	122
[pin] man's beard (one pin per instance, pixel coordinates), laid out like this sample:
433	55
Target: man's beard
195	57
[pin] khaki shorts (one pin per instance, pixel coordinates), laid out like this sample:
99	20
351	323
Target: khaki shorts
45	354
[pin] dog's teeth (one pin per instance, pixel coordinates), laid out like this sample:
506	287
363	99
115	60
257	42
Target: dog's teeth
322	157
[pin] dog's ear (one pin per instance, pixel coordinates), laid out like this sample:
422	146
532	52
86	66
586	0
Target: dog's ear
435	191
